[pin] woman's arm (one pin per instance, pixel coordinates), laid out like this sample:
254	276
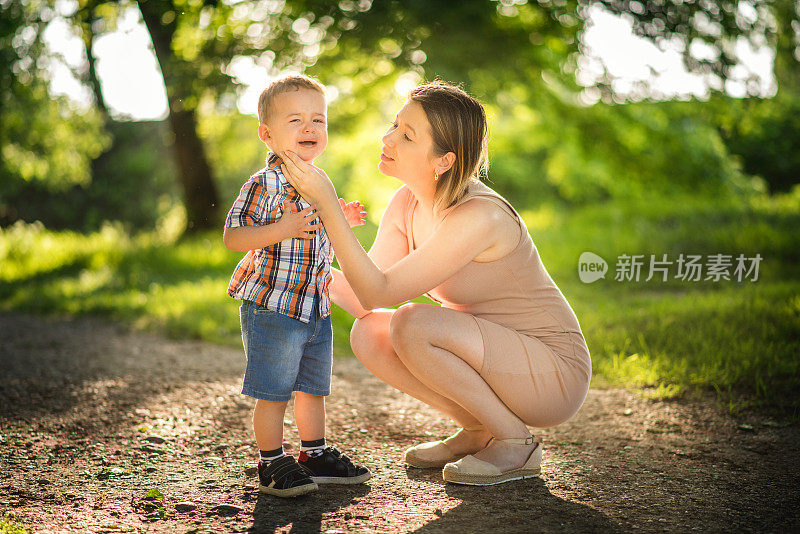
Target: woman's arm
391	242
390	246
466	232
343	296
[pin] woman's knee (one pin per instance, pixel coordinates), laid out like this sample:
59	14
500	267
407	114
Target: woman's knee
408	325
365	336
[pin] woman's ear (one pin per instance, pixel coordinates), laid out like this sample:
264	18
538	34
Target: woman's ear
445	163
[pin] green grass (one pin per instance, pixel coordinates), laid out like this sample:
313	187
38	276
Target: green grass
740	339
175	286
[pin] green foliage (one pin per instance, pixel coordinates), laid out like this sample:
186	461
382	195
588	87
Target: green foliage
539	154
546	145
133	183
44	140
150	280
673	336
457	41
586	154
152	502
732	337
235	150
764	133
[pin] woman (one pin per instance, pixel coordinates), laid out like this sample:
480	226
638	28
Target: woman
504	351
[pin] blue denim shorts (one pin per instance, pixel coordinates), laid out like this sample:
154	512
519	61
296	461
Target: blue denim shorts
285	354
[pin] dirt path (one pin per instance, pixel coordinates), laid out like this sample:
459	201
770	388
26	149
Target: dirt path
93	416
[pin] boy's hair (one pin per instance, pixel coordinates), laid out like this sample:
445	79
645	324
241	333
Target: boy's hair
458	125
284	85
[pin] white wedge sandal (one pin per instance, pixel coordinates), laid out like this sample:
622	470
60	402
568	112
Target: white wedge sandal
472	471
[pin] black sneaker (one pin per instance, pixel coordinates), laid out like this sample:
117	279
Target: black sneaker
333	467
285	478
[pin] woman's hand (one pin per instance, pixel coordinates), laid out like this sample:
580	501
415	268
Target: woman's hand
353	212
311	182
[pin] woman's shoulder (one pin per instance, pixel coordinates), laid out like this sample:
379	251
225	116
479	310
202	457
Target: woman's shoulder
403	194
398	205
482	209
475	211
474	202
402	200
477	188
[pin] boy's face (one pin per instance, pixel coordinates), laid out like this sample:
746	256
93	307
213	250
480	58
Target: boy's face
297	122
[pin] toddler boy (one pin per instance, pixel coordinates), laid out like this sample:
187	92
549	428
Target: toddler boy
283	283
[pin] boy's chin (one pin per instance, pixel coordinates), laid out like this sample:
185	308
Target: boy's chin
309	154
306	154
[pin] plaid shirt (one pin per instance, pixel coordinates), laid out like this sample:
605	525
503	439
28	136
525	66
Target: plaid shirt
286	276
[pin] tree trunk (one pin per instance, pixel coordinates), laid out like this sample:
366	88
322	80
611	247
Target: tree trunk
198	185
200	192
787	64
86	20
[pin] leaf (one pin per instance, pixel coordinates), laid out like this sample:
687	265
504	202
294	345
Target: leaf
153	495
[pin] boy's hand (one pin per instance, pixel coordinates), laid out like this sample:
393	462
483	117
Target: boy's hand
353	212
298	224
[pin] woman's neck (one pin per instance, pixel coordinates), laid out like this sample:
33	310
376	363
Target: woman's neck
424	192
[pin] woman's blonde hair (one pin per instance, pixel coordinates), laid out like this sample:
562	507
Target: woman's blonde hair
458	125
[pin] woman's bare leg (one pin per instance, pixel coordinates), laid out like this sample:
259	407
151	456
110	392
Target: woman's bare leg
443	349
371	344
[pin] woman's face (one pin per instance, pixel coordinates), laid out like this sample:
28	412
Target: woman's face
407	146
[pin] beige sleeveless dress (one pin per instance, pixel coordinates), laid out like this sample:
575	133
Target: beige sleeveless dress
535	356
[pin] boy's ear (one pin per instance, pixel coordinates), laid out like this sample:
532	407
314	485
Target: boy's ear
446	162
263	133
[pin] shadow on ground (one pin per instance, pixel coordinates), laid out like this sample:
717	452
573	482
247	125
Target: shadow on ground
526	506
273	514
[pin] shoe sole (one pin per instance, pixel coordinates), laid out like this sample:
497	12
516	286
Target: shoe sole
490	480
289	492
342	480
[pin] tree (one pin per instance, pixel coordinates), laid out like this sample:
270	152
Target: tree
763	132
87	19
713	26
43	138
194	171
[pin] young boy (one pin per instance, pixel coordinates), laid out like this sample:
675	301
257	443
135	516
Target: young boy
283	283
